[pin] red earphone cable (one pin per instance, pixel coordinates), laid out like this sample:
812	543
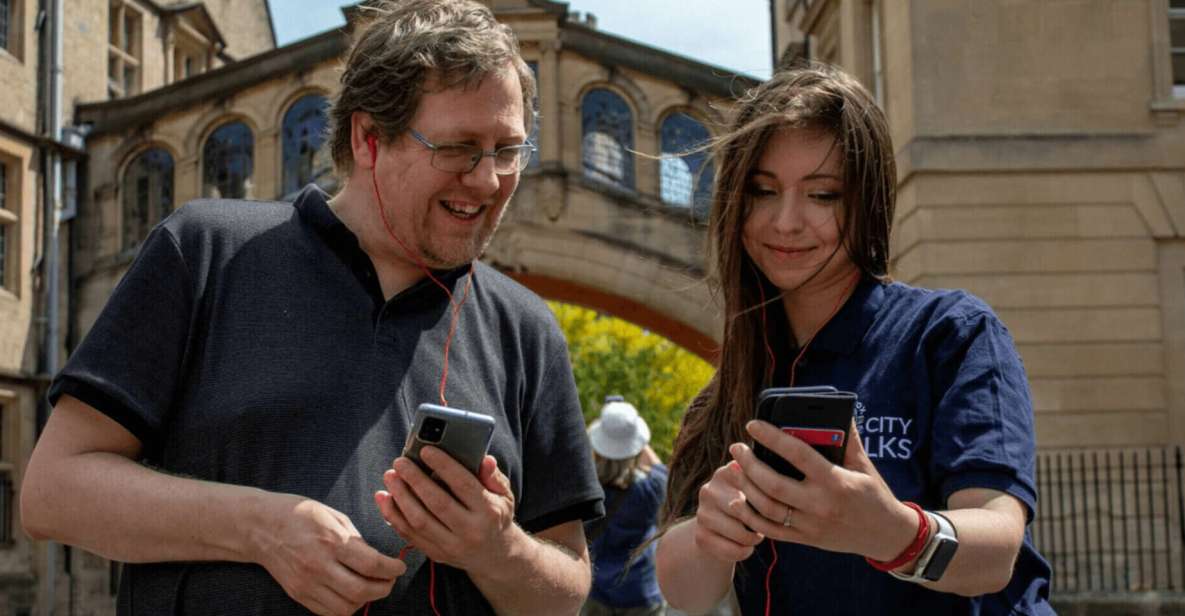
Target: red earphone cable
769	573
452	329
456	306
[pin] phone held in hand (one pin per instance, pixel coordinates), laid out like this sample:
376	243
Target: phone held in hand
464	435
818	415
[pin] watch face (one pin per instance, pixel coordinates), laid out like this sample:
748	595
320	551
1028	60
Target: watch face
943	552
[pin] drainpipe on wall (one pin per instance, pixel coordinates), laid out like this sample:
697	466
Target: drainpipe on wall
53	205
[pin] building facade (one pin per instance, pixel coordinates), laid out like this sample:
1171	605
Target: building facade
1041	165
55	56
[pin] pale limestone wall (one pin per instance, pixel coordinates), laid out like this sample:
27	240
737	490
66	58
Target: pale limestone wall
20	560
18	332
18	75
1070	263
84	47
244	25
999	67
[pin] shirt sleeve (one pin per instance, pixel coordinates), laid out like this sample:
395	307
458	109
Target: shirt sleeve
128	364
983	433
559	479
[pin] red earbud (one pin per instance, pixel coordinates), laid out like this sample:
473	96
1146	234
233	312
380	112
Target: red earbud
372	144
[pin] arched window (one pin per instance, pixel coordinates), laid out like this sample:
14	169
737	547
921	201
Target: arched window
608	129
303	133
147	194
686	178
228	159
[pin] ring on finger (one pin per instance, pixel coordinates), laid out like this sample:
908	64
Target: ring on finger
786	518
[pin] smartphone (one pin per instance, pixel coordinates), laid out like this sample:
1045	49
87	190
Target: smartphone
464	435
819	415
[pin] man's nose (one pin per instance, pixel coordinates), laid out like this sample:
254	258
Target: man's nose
482	179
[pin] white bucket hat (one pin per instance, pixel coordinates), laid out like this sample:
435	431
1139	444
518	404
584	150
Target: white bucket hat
620	433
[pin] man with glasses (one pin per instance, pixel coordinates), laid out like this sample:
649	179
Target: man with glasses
230	421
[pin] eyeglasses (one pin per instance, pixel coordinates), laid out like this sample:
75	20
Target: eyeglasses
463	158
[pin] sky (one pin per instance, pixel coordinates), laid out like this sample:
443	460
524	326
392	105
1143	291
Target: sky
732	34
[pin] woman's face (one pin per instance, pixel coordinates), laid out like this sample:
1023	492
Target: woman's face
796	195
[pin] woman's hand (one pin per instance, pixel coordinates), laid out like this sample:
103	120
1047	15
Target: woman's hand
832	507
720	530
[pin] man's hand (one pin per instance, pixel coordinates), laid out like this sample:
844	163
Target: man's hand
472	528
320	559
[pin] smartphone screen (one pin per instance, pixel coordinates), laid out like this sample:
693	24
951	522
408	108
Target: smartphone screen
819	416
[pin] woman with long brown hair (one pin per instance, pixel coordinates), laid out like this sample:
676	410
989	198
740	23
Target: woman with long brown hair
928	512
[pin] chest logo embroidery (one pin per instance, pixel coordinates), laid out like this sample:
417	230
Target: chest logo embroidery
885	437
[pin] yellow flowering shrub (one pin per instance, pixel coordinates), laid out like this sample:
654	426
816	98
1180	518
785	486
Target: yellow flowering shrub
612	356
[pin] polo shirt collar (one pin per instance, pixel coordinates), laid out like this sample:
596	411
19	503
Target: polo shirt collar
312	204
847	328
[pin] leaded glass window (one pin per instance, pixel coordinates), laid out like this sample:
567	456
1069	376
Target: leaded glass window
147	194
5	22
1177	42
228	161
3	227
305	161
607	127
534	137
685	172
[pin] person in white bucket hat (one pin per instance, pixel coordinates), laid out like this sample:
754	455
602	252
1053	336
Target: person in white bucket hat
635	483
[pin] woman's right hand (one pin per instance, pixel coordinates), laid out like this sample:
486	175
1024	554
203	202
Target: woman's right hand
718	528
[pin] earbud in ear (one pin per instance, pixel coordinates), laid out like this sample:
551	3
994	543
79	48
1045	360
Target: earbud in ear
372	144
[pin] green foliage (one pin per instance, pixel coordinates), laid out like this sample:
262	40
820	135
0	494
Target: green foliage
612	356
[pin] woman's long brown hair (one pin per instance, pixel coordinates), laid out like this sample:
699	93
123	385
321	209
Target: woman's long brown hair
815	97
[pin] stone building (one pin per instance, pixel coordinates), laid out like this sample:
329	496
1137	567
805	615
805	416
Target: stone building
107	50
1041	153
1041	165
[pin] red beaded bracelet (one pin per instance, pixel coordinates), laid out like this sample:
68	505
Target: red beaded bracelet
913	549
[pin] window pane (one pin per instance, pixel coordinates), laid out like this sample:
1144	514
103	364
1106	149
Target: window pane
680	136
147	194
113	25
608	128
228	160
129	80
1179	69
1177	4
3	254
1177	31
303	135
534	136
5	20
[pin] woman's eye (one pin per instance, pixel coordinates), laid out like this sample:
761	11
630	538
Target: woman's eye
761	191
827	197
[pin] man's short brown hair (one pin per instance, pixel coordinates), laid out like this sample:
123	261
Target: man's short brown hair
407	45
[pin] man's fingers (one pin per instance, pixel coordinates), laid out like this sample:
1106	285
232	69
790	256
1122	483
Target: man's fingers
407	491
369	562
463	484
492	478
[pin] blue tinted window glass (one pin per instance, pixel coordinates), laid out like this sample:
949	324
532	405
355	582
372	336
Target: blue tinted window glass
228	160
607	129
303	134
682	168
146	193
534	138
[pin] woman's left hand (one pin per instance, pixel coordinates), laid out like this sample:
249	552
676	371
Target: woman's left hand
832	507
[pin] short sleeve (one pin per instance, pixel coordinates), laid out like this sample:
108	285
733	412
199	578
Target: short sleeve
559	480
983	424
128	364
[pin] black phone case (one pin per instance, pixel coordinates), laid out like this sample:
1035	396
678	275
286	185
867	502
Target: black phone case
466	436
819	407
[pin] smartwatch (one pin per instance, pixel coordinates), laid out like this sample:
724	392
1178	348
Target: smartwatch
938	553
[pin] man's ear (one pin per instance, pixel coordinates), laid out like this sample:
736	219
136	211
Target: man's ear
363	139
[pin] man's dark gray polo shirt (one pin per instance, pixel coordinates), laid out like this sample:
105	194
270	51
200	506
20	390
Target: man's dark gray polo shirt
250	343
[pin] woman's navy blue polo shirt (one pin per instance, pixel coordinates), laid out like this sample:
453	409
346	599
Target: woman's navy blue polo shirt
943	406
